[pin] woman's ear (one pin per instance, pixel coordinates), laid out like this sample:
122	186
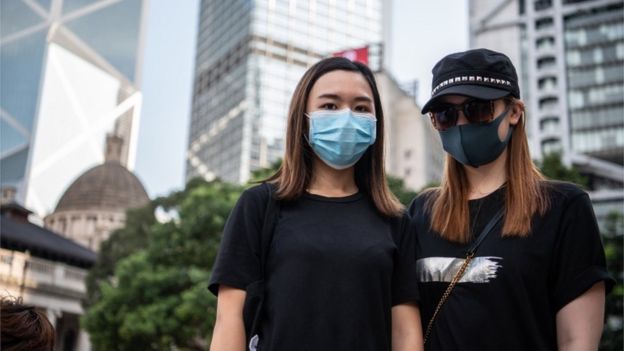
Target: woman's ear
517	110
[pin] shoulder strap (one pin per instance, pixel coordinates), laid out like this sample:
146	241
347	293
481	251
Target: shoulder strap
486	230
271	213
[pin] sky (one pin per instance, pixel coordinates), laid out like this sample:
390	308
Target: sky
421	33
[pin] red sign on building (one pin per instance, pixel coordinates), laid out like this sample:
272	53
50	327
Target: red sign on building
359	55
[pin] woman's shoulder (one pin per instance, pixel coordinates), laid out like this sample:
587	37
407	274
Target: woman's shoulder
422	202
257	194
561	191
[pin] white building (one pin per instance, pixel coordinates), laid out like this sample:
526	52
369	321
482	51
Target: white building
95	203
413	149
47	271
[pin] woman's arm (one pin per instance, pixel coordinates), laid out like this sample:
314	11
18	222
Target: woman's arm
229	330
406	328
580	322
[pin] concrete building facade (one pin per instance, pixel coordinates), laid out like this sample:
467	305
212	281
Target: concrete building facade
569	54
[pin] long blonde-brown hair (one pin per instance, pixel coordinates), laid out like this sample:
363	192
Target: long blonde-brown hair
525	196
295	173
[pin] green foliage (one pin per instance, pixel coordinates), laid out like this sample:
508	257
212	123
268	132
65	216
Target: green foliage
129	239
612	238
264	173
156	297
397	186
552	167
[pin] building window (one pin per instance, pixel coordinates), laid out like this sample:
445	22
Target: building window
550	146
546	62
548	103
545	43
544	23
407	172
62	225
547	83
573	58
549	125
6	259
576	99
407	154
542	4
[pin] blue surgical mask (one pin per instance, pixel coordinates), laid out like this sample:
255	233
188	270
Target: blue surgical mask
340	138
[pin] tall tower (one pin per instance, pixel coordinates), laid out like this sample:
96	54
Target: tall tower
70	72
570	55
250	56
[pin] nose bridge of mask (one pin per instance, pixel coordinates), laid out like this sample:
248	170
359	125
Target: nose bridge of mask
345	122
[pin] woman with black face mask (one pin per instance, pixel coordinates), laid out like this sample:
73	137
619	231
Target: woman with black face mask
506	259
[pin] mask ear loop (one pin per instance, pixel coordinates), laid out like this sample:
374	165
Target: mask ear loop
512	127
306	135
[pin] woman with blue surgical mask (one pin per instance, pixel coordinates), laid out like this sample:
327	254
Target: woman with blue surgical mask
507	260
339	273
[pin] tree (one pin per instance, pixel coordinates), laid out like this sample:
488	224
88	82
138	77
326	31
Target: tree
397	186
132	237
264	173
157	297
552	167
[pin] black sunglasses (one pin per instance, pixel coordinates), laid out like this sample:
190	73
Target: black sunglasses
445	115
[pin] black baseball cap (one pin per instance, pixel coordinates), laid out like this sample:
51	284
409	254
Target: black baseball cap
479	73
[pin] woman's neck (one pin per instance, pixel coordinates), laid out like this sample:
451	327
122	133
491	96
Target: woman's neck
485	179
330	182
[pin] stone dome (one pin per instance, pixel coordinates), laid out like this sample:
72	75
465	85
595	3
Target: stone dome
107	186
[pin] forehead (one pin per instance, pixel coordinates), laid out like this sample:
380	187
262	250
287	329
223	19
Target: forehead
341	83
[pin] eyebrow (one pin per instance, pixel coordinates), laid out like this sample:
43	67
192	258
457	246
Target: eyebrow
336	97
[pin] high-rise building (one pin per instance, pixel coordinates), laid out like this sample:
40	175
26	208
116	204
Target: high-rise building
413	149
70	72
570	56
250	56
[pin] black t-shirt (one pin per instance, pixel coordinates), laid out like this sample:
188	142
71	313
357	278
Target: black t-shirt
334	270
510	293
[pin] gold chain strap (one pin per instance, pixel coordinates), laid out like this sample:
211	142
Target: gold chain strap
446	294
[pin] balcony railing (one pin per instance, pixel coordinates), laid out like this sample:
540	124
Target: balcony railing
20	268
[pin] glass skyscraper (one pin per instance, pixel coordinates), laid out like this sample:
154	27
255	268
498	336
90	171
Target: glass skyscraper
570	55
594	55
250	56
69	74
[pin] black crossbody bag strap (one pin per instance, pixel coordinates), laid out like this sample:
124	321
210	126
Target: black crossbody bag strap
271	214
270	218
488	228
460	273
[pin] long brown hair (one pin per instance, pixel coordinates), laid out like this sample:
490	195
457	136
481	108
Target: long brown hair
526	192
24	327
295	173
